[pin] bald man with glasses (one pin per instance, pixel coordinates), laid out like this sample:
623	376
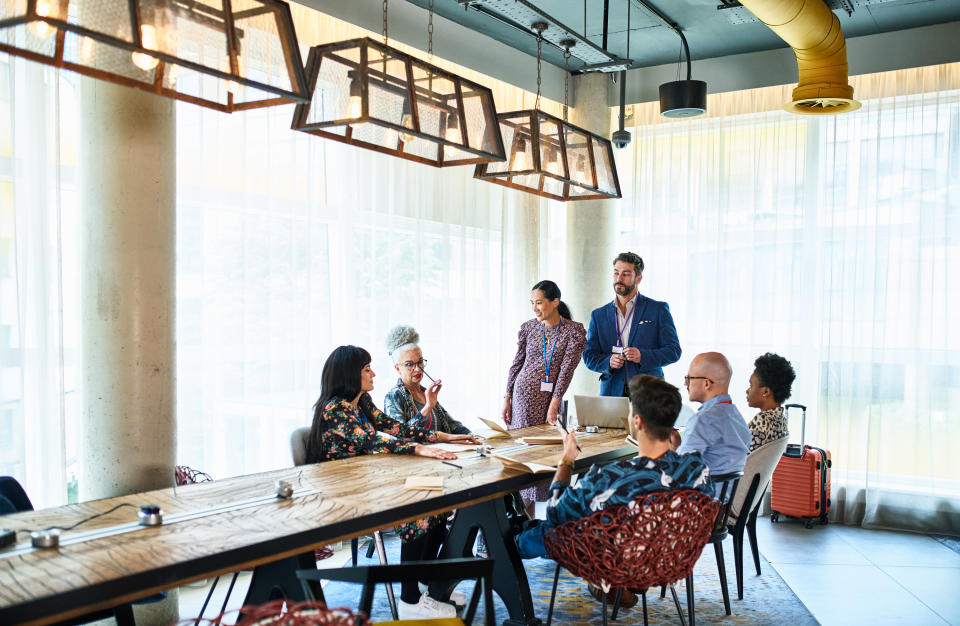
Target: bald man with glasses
717	431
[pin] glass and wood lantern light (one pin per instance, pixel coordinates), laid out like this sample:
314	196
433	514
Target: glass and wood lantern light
228	55
551	157
367	94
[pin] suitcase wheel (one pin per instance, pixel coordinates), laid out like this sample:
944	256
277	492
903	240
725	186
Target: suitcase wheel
774	517
823	520
808	523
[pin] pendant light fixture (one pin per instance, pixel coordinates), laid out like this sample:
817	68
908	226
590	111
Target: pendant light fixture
228	55
551	157
367	94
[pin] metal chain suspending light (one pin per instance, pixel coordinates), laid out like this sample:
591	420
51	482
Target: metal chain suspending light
536	104
566	82
430	32
385	10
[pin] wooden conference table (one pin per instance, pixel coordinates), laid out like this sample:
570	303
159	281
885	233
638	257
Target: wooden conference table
238	523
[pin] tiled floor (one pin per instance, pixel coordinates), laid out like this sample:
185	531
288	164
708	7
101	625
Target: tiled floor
847	575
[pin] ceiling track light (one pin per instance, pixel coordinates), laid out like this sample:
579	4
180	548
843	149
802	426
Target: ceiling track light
679	98
204	53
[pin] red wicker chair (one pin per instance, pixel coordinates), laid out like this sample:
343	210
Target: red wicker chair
655	540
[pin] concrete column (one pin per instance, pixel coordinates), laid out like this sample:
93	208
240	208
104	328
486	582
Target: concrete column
128	207
591	228
128	202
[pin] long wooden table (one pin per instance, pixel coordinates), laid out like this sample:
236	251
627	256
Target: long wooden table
237	523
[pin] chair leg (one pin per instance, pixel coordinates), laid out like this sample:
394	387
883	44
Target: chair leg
738	559
691	601
752	535
643	598
226	598
206	600
382	553
354	549
123	614
371	546
722	570
616	604
663	592
676	602
604	608
553	594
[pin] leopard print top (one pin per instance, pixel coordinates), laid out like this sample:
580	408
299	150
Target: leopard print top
767	426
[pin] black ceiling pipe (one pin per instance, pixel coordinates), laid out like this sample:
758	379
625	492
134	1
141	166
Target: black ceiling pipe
606	22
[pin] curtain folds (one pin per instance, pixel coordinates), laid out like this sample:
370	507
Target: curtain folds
830	240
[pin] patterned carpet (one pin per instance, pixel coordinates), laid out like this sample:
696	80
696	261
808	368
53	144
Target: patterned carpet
767	599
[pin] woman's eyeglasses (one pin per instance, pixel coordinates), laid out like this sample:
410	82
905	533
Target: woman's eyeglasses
422	363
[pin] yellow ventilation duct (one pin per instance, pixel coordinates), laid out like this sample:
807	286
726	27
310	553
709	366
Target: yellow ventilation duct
814	33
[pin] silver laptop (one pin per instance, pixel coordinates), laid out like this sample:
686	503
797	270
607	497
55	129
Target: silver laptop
602	411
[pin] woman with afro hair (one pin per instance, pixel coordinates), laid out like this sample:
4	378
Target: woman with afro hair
769	388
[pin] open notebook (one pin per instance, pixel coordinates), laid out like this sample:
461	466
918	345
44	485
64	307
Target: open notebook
496	430
526	467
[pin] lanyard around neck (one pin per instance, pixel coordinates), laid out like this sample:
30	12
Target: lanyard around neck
546	361
626	319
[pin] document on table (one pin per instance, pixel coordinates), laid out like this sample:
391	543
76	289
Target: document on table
424	483
453	447
520	466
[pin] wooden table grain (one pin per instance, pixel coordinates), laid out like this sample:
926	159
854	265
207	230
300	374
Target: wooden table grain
236	523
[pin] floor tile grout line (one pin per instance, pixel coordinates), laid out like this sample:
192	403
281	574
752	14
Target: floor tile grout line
929	608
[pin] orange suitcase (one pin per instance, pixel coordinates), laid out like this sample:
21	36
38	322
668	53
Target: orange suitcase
800	486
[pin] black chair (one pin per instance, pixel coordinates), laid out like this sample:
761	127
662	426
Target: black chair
370	576
726	489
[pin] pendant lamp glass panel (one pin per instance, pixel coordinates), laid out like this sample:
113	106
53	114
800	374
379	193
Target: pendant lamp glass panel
371	95
552	158
224	55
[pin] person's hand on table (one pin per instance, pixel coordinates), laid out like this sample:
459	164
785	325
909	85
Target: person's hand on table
675	440
448	438
506	410
433	453
616	361
632	354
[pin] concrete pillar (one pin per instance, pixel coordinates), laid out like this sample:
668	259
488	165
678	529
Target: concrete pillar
128	215
591	228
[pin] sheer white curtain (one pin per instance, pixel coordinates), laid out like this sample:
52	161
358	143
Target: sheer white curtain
832	241
290	245
38	344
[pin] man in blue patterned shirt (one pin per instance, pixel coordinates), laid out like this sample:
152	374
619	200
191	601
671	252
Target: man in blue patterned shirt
656	404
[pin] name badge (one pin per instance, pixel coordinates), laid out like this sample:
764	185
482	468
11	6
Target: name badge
618	349
546	385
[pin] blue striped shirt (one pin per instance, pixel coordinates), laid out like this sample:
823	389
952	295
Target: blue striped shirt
719	433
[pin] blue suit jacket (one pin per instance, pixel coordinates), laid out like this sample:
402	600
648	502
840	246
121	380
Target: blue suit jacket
651	331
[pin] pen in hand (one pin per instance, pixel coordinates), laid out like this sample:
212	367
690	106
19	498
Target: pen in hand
562	422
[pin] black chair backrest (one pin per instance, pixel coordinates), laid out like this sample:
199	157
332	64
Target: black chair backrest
13	499
726	488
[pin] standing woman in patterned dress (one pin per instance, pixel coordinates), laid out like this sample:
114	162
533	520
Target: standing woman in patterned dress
548	351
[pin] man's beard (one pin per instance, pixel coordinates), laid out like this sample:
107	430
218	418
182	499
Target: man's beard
622	289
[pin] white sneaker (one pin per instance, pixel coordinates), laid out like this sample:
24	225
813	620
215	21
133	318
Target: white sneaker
456	597
427	608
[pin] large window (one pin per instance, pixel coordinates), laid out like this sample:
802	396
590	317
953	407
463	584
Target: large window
831	241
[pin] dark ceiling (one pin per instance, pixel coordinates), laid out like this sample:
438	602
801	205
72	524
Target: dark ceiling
709	31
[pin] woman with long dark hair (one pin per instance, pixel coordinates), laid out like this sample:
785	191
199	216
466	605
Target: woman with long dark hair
548	351
346	423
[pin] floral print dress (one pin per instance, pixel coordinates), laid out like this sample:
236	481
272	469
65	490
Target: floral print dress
350	432
528	405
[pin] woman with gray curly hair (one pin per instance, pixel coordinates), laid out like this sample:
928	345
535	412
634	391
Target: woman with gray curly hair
409	401
412	404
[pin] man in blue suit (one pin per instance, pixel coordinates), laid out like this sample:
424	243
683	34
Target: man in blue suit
631	335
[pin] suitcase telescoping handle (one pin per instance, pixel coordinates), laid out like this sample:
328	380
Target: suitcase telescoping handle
803	422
